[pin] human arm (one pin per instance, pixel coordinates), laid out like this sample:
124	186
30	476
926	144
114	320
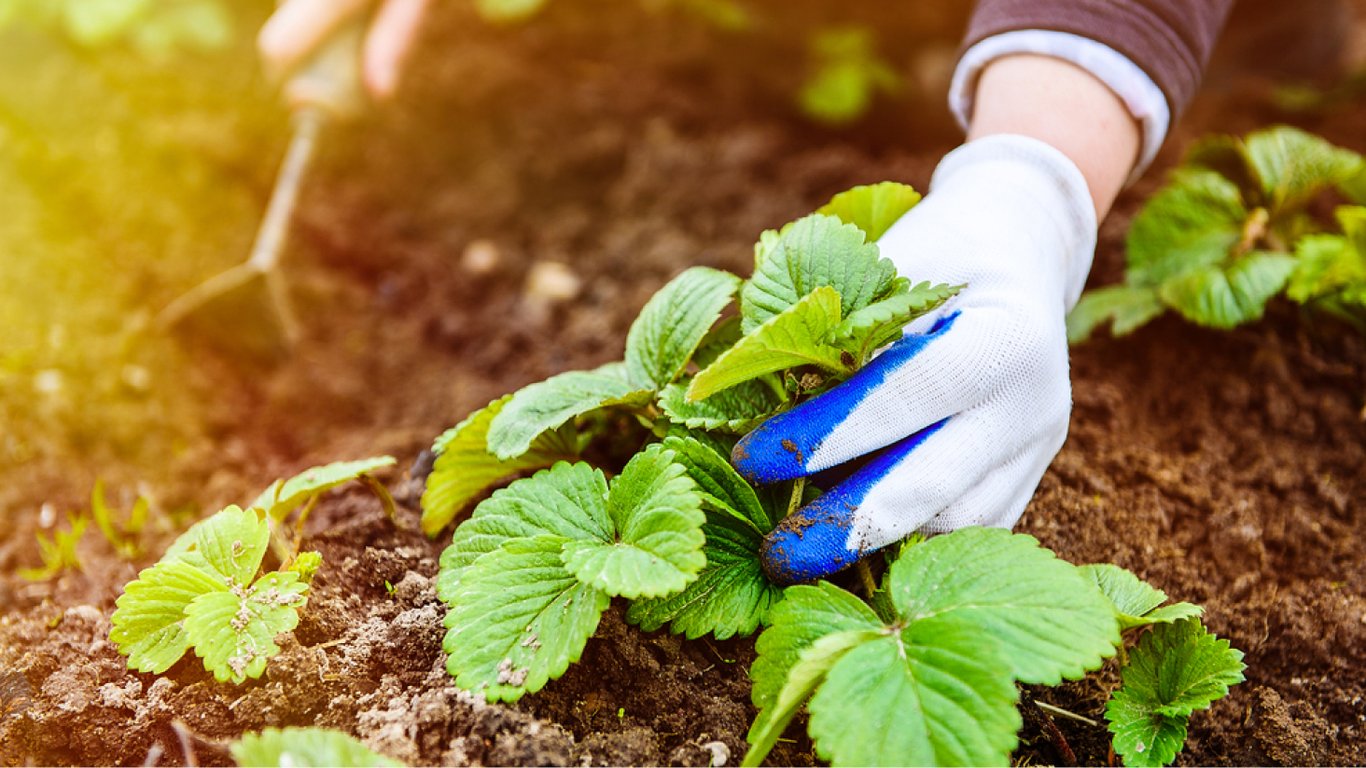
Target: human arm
956	423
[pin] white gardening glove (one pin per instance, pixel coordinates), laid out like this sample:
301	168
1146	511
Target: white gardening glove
973	403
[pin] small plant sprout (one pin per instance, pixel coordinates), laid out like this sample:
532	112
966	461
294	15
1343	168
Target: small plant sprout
123	537
1231	230
305	747
208	593
847	73
1177	668
59	551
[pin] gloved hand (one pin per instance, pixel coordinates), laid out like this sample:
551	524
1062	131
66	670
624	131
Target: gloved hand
966	411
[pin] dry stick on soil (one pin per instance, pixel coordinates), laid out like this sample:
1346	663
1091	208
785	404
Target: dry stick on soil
1045	706
1055	734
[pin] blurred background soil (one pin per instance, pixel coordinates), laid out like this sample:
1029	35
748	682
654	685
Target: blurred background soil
504	221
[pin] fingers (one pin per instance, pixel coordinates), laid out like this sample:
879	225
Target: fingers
965	470
918	381
388	44
298	27
814	541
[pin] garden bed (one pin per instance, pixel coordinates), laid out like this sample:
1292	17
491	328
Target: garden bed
1224	468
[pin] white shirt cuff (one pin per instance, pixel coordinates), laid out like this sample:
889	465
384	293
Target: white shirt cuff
1140	94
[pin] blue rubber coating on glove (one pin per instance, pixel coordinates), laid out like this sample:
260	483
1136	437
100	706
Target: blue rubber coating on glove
781	448
810	543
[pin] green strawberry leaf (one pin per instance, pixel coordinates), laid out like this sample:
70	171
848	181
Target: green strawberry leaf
873	208
1180	668
1291	166
812	253
1126	307
1190	224
464	467
1051	621
879	323
545	405
673	323
1328	266
1144	740
1134	600
735	410
656	511
797	336
234	631
1224	296
303	747
281	498
519	618
148	620
803	678
722	488
731	595
924	699
230	543
806	614
1175	669
568	501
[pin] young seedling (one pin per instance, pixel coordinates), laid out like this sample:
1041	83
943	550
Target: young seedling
1176	669
123	537
847	73
59	551
303	747
1228	233
206	594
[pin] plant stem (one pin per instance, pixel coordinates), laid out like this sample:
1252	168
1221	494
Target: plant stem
299	529
795	501
865	576
387	499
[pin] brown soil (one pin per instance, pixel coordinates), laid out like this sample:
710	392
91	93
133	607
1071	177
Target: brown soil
1223	467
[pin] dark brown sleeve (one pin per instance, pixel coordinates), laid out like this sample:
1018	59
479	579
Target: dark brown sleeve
1170	40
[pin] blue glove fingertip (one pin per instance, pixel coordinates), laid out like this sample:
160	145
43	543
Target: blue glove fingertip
812	542
782	447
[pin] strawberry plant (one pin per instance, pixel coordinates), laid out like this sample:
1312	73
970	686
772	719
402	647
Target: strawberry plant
1177	668
1231	230
923	672
820	303
208	593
